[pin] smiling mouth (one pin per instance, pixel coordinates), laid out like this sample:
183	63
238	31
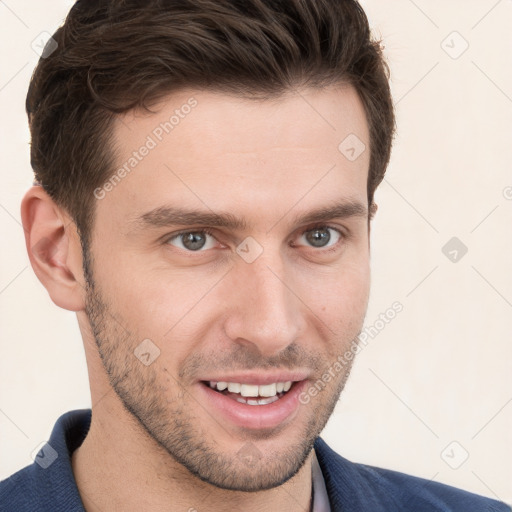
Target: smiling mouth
251	394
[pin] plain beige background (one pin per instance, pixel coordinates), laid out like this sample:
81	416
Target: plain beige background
431	392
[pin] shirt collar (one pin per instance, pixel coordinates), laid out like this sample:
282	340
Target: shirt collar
320	497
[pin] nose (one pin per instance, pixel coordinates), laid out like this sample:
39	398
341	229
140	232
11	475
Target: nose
265	312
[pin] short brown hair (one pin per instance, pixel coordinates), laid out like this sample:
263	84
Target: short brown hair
114	56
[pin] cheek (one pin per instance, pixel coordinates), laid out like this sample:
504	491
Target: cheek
340	298
174	311
144	304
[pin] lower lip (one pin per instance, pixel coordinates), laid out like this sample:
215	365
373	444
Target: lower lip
254	416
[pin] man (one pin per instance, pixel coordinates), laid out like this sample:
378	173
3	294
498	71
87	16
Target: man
205	180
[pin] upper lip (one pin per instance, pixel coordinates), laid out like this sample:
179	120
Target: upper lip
259	378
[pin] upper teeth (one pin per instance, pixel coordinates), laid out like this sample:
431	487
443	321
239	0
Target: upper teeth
252	389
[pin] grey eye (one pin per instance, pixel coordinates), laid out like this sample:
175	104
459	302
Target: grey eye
192	240
321	237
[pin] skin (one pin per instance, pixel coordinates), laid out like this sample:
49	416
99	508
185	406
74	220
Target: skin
153	443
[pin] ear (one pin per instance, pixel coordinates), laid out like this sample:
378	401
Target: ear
373	211
54	250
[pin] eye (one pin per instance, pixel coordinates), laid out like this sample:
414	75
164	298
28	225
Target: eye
193	240
320	236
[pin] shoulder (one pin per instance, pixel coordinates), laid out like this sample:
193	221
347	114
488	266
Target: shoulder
48	483
17	491
371	488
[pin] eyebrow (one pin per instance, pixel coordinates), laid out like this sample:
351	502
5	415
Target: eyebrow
164	216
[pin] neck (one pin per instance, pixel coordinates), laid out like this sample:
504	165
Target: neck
120	467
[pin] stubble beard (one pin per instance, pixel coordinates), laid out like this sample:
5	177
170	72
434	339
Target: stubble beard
145	393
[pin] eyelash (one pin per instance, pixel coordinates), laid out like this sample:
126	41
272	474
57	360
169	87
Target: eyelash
208	231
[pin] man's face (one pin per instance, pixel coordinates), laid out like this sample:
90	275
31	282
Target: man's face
269	297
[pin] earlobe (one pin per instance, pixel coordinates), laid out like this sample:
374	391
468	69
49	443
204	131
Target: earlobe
53	248
373	210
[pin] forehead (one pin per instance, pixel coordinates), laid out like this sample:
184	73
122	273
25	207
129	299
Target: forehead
215	151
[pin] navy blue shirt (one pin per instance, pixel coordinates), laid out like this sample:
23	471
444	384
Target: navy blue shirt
48	485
